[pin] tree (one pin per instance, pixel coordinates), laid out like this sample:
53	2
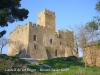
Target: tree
3	42
92	26
98	6
10	12
80	35
74	30
83	39
90	35
84	34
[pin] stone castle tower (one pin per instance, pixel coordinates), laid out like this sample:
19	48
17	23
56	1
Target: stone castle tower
46	18
41	41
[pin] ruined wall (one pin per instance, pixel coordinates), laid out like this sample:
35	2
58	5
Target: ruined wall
91	55
70	42
67	39
55	45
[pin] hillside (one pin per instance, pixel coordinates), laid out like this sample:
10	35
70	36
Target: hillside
55	66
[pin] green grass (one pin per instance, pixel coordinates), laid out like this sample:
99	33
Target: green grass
61	63
10	62
68	67
59	66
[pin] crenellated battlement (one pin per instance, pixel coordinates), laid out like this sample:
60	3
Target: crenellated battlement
39	27
34	24
49	12
61	32
69	32
16	28
46	11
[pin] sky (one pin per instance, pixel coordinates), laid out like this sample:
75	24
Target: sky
68	13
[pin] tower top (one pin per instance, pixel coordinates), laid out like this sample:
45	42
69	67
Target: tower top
46	18
47	11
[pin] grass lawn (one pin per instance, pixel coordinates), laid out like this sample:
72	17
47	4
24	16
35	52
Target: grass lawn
59	66
63	67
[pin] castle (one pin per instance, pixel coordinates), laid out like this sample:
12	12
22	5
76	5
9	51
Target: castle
41	41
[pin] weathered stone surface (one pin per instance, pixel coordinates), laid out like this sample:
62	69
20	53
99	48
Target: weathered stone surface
62	43
92	55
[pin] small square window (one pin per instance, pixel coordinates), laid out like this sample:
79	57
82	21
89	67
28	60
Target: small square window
50	41
34	38
35	47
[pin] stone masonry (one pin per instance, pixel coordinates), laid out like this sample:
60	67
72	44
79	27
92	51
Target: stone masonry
91	55
41	41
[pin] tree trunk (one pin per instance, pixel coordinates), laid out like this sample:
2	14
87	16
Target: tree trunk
0	50
84	58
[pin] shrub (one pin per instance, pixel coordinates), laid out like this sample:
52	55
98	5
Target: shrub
80	58
71	58
3	56
98	44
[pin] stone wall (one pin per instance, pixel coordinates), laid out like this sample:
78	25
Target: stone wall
44	35
91	55
18	37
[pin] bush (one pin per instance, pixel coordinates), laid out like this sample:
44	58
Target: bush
98	44
71	58
2	56
80	58
11	62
